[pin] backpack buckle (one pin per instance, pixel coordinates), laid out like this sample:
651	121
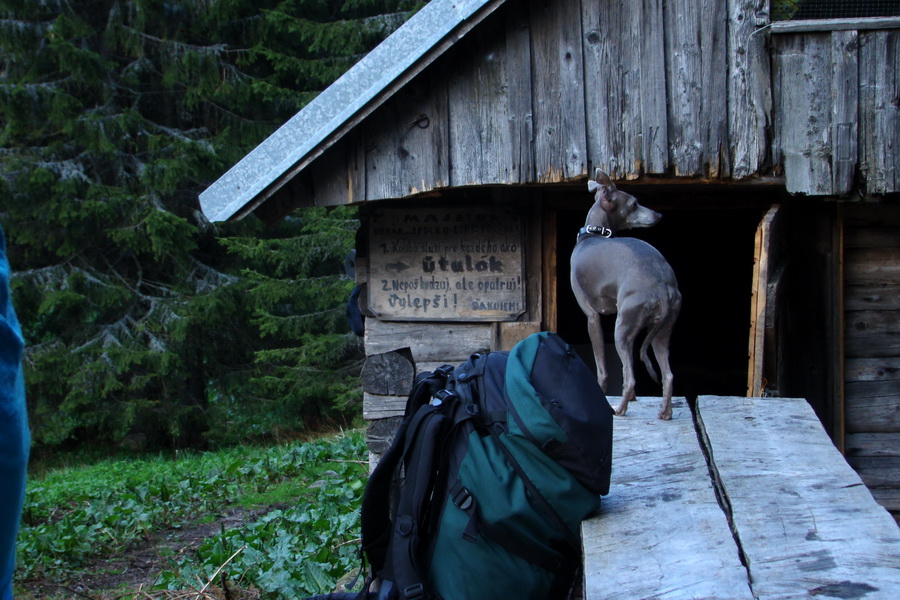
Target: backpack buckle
463	499
443	395
414	592
444	370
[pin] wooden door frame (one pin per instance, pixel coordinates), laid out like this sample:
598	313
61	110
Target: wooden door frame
761	303
768	354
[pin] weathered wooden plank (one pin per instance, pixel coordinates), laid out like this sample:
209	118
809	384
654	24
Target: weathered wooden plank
873	444
864	451
872	333
888	498
806	524
428	367
377	407
841	24
603	86
877	472
521	111
480	138
866	216
388	373
560	145
660	532
873	265
749	91
763	263
879	112
873	406
506	335
696	76
872	297
406	141
845	110
612	57
654	113
448	342
803	112
872	237
872	369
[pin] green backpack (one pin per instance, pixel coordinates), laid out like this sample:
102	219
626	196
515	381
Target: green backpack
491	472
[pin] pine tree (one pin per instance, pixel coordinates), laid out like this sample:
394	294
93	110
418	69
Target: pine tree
114	115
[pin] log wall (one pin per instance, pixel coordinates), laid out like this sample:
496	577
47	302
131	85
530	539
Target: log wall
544	92
872	346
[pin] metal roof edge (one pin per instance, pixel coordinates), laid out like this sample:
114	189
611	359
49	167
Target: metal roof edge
305	131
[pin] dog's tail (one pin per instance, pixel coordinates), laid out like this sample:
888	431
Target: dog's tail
645	358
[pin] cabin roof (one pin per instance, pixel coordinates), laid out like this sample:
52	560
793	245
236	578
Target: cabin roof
405	53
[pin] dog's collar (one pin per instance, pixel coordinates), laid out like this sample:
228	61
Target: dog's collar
594	230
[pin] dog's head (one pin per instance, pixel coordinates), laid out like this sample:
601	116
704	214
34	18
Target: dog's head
621	208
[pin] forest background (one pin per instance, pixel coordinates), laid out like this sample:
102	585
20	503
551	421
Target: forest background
148	327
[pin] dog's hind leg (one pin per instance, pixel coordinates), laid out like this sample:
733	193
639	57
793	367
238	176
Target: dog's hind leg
626	332
595	330
660	345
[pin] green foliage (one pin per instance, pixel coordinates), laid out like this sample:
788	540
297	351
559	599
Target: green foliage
297	551
305	362
143	320
75	515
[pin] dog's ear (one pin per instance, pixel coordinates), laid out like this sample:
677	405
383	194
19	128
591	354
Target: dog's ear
592	186
604	180
607	195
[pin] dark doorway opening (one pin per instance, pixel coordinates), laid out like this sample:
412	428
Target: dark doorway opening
711	251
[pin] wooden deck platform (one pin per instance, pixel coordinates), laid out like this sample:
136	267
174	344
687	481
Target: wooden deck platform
749	500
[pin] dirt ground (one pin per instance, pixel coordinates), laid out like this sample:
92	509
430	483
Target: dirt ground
125	575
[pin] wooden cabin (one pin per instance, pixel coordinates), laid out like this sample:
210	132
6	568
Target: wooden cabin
772	147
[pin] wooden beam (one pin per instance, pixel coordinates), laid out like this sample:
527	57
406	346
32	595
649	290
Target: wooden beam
862	23
807	525
429	342
660	532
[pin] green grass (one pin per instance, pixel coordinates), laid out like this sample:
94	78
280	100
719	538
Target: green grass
74	517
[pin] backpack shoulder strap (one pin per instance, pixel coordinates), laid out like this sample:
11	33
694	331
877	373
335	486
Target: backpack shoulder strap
375	517
419	460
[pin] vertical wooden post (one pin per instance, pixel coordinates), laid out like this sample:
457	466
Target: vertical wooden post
755	380
838	426
549	276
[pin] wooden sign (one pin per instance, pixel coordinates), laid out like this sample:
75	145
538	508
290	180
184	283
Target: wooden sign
446	263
